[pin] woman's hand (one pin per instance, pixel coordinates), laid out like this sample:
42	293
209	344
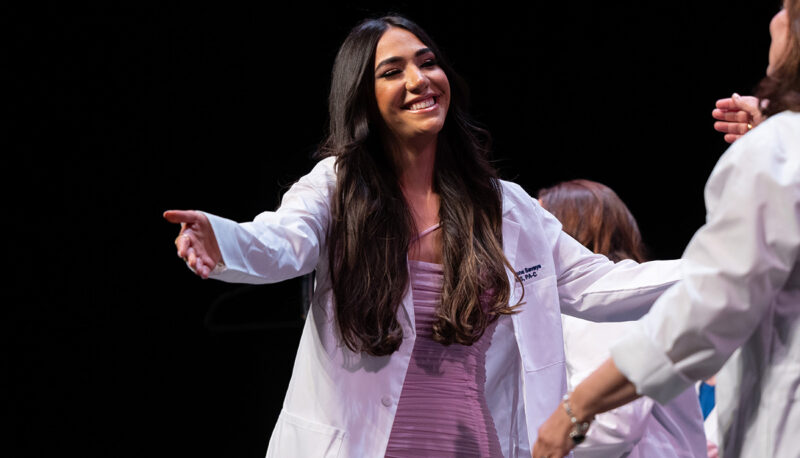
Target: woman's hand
604	389
196	242
554	440
736	115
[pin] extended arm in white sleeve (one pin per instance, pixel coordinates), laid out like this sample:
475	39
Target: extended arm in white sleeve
592	287
733	267
282	244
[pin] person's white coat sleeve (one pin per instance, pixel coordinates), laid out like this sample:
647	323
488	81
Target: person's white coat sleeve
282	244
592	287
733	268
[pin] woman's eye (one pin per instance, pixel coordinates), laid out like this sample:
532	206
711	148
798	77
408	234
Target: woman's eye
429	63
389	73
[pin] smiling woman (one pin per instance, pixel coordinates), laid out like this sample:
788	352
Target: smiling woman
411	90
421	339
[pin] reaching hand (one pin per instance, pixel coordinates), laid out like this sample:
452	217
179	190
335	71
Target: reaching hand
553	440
196	242
736	115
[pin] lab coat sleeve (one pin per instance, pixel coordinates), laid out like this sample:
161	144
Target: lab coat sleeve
733	267
282	244
592	287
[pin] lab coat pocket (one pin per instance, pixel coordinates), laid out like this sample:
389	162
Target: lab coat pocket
296	436
538	325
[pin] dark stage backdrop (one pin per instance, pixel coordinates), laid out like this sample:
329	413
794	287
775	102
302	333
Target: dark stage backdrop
118	113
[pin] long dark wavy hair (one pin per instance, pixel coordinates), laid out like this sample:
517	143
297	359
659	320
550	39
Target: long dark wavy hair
782	88
594	215
371	226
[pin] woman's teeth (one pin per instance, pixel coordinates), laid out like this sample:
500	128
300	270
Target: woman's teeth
423	104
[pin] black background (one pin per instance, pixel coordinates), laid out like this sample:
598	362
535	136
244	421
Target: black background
117	113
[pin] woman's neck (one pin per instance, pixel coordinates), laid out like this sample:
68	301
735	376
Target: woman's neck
414	162
415	165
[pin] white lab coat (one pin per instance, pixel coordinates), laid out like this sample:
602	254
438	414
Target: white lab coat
739	298
342	404
642	428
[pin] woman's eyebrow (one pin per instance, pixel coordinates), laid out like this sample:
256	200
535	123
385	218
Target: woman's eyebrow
392	60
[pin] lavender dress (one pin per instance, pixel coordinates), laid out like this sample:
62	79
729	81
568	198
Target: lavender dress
442	410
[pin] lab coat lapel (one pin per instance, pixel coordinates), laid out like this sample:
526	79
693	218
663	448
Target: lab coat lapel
510	241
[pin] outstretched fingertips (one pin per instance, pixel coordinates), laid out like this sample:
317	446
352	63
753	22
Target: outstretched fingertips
183	242
192	258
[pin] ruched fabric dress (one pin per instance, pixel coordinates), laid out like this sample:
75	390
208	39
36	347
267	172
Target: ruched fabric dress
442	411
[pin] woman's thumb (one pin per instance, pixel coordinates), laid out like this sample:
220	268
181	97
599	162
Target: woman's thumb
747	104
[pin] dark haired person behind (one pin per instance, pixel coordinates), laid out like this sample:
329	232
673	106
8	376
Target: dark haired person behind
435	324
594	215
737	306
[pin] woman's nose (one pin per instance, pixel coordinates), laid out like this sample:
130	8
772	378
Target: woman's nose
416	81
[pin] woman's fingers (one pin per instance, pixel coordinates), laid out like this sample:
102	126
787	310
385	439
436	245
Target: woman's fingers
202	269
544	449
191	258
730	138
738	128
747	103
736	115
724	104
196	243
731	116
183	242
194	258
553	439
181	216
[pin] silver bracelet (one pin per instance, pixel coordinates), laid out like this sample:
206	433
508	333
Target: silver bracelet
579	428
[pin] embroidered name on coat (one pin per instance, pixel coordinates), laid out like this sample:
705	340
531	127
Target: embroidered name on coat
528	272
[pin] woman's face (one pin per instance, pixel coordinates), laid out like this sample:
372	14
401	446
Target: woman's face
779	31
411	90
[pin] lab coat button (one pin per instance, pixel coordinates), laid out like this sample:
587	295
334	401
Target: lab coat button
386	400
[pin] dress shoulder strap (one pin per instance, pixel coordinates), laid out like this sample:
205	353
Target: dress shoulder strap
426	232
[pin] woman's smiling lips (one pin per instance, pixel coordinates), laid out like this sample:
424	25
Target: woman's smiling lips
421	104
